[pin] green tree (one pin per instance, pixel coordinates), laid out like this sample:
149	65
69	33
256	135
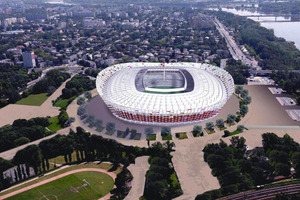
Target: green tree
165	131
244	110
240	127
238	89
149	131
209	126
80	100
88	94
230	118
247	100
110	126
220	123
244	93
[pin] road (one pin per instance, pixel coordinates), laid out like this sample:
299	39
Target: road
234	49
71	66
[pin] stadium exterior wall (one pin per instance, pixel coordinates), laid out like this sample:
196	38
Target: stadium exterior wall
169	118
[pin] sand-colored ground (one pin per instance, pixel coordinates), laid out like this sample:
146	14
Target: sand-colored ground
265	110
138	171
111	174
11	112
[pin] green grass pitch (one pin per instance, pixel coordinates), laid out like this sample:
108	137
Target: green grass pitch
95	186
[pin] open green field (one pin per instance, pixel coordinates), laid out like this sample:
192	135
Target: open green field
54	126
95	186
34	99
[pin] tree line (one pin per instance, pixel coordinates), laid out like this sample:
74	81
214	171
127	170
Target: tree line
238	169
23	131
272	52
87	147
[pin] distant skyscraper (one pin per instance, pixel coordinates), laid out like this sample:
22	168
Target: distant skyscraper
29	59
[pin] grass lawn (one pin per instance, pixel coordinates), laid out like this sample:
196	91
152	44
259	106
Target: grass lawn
231	124
105	166
168	137
208	131
222	128
100	129
181	136
34	99
151	137
63	103
110	132
137	136
72	187
235	132
54	126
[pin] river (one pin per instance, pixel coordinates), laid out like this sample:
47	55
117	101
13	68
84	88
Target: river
290	31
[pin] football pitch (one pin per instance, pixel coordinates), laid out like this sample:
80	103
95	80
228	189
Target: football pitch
81	185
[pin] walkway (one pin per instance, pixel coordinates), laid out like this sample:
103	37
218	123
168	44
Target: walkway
138	171
11	112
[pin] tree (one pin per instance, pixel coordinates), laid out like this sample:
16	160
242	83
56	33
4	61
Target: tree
98	123
63	117
230	118
90	119
110	126
240	127
220	123
238	89
209	126
244	93
226	133
88	94
244	110
296	163
247	100
197	129
282	169
165	131
80	100
81	111
149	131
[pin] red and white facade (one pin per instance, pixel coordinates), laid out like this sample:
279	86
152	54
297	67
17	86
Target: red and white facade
212	88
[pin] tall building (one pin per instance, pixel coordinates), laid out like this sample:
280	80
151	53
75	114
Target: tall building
29	59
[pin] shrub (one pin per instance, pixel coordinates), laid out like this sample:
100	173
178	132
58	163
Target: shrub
226	133
238	119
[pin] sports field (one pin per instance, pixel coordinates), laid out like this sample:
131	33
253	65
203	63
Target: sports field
80	185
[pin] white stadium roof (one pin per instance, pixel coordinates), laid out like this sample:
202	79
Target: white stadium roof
212	87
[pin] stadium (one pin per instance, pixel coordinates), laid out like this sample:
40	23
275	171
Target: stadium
164	93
